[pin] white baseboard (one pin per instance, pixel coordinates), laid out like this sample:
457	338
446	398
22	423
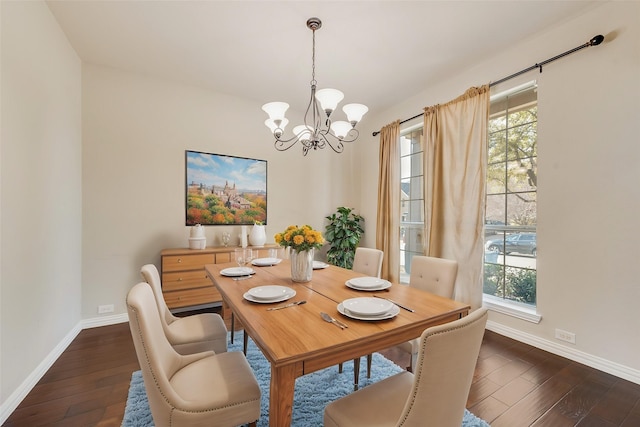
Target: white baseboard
12	402
620	371
104	320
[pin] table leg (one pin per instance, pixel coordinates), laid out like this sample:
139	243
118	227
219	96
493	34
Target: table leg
281	395
233	327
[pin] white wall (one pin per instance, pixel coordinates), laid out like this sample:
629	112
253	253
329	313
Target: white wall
40	192
588	193
135	133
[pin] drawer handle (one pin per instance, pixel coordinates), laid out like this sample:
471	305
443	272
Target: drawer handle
179	260
179	279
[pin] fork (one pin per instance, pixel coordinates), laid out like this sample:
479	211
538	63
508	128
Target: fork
328	318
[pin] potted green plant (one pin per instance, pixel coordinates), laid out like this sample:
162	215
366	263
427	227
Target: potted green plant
343	233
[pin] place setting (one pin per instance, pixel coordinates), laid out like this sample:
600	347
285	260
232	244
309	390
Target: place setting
271	260
368	283
243	256
238	273
269	294
368	308
319	265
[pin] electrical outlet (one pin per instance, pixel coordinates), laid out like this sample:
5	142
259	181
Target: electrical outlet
566	336
105	309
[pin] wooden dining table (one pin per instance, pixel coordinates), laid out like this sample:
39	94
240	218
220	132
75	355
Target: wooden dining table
297	341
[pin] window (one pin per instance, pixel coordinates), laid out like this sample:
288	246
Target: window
512	174
411	199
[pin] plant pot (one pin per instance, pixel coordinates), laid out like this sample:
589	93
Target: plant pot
258	236
301	265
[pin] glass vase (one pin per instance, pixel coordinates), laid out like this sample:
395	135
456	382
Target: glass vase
301	265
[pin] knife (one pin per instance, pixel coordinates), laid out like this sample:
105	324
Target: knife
291	304
393	302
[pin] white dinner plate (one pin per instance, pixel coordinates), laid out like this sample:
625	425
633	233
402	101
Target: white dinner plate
381	287
265	262
237	271
367	282
395	310
319	265
269	292
285	297
367	306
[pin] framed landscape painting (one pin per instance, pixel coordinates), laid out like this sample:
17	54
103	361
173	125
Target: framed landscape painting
225	190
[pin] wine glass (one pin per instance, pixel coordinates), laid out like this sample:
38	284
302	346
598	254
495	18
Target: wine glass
243	257
249	255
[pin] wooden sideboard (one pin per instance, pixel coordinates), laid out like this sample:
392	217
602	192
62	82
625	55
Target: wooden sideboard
185	282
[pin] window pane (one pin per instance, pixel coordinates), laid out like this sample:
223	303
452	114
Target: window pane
495	209
521	209
497	141
411	142
495	178
411	165
412	211
522	140
520	176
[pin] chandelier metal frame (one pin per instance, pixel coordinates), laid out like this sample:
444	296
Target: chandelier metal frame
318	131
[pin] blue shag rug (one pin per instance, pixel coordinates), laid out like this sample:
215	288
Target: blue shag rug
312	393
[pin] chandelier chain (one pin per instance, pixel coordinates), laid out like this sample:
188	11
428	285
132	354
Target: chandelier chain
313	59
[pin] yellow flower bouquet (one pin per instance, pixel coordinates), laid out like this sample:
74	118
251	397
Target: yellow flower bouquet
300	238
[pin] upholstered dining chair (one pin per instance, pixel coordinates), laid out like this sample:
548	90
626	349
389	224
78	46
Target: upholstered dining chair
435	395
200	389
367	261
189	334
434	275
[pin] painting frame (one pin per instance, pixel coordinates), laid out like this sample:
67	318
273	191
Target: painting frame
222	189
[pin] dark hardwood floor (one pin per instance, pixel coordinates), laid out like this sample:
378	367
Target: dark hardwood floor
514	385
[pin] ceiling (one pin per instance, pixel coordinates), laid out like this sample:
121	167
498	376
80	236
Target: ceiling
377	52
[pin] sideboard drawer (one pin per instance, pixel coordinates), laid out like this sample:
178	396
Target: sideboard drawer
224	257
191	297
185	280
186	262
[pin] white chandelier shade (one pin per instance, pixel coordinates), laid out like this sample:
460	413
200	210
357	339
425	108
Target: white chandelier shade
318	130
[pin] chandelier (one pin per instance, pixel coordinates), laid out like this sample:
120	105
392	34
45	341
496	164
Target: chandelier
318	130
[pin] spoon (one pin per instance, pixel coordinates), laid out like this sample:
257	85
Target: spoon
330	319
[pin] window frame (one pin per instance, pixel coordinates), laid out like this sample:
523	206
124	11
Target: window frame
503	305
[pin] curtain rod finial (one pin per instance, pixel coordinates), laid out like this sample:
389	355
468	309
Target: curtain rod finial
596	40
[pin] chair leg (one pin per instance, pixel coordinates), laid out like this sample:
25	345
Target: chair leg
340	368
369	359
410	367
356	373
245	338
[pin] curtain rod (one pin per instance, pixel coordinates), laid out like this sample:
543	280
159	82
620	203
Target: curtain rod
596	40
